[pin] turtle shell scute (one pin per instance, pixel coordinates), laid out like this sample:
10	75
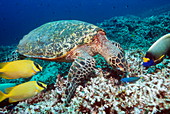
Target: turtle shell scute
56	39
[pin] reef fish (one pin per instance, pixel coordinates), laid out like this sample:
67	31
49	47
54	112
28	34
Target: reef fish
157	51
19	69
22	91
130	79
6	85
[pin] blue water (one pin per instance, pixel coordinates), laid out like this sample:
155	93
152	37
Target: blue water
18	17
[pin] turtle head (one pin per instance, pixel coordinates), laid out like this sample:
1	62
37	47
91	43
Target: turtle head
120	63
111	51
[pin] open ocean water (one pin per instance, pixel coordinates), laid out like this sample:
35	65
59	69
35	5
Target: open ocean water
18	17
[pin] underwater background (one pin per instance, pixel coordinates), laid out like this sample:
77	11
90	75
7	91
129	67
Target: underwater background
18	17
135	24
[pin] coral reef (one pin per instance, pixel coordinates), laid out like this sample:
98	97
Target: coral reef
8	53
105	93
132	31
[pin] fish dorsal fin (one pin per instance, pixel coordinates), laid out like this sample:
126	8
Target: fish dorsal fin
7	90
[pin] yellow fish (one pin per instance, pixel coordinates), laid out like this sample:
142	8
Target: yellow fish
19	69
22	91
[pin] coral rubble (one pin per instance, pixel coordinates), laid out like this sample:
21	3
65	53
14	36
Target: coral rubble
101	94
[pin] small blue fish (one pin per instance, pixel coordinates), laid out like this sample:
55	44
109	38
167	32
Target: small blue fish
130	79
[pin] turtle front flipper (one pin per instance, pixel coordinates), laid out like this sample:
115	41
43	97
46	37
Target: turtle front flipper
80	72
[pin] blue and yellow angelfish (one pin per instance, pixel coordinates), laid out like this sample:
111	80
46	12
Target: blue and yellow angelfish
157	51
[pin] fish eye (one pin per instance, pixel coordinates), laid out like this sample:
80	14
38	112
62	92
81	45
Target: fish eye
40	84
37	66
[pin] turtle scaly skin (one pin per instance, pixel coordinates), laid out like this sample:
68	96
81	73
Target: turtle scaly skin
73	41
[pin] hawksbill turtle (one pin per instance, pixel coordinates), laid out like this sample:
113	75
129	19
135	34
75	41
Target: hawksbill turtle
72	41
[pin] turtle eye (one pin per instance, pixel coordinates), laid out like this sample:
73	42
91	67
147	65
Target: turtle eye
104	32
37	66
101	31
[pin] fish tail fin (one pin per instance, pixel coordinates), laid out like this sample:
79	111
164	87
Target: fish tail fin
3	96
141	77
